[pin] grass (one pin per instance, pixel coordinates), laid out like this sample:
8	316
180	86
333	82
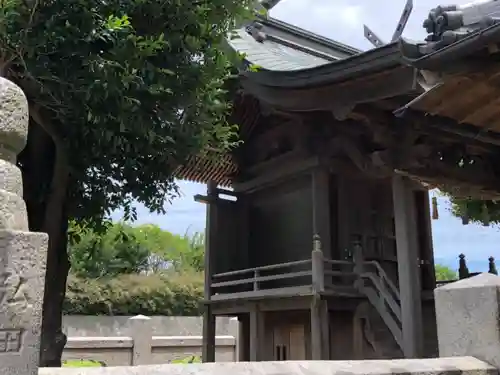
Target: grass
90	363
81	363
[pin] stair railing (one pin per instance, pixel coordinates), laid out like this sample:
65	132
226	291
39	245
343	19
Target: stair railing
374	282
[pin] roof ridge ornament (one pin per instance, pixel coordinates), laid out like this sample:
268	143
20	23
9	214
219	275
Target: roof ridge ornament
448	24
403	20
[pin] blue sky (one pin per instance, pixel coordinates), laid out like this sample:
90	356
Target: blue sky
342	20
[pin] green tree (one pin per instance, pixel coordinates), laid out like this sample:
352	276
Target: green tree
445	273
124	249
478	211
120	94
183	252
116	251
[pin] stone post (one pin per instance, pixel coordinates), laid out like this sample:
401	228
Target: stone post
142	335
22	253
467	314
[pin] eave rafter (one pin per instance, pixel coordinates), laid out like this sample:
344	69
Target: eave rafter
430	150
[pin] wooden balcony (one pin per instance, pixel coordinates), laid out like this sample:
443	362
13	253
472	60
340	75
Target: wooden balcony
316	276
297	278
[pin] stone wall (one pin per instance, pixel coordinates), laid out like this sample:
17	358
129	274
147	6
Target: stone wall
140	340
84	326
119	351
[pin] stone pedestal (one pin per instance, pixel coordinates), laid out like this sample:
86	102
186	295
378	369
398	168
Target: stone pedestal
22	254
467	315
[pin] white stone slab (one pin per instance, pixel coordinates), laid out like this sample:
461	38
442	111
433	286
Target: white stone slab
437	366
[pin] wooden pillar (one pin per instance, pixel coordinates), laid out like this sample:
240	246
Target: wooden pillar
320	337
325	330
208	350
257	335
427	249
320	330
408	268
321	245
244	338
321	208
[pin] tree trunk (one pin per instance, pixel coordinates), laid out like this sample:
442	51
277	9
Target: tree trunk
53	339
46	178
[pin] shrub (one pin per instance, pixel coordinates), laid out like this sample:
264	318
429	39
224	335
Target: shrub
156	294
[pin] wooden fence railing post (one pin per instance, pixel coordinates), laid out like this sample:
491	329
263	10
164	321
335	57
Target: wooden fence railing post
318	266
359	261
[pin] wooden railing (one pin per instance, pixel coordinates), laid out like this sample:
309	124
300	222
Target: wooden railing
318	273
254	275
374	282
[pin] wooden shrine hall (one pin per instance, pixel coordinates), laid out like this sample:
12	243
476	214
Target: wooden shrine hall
322	247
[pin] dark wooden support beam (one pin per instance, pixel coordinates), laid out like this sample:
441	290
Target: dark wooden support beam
244	338
213	200
408	267
208	350
325	330
425	243
320	331
454	127
321	208
293	168
257	335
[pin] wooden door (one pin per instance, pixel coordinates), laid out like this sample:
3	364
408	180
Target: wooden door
297	343
289	343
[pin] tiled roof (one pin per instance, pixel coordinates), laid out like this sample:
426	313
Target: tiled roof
287	47
272	55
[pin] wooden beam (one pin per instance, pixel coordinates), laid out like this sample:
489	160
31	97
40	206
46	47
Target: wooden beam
408	267
208	349
270	178
208	340
257	334
321	208
319	323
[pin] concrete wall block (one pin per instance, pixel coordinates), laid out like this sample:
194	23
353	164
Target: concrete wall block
142	335
467	315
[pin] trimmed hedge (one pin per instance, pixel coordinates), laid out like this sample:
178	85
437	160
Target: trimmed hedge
156	294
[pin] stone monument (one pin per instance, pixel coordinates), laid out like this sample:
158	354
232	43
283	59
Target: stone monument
467	314
22	253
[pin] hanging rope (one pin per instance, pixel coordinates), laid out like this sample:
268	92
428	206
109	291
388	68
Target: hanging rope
435	213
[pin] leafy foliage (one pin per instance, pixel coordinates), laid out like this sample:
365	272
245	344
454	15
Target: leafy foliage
133	88
483	212
115	252
444	273
168	294
181	252
123	249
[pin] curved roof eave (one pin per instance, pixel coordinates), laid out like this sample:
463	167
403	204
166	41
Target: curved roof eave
363	63
370	76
